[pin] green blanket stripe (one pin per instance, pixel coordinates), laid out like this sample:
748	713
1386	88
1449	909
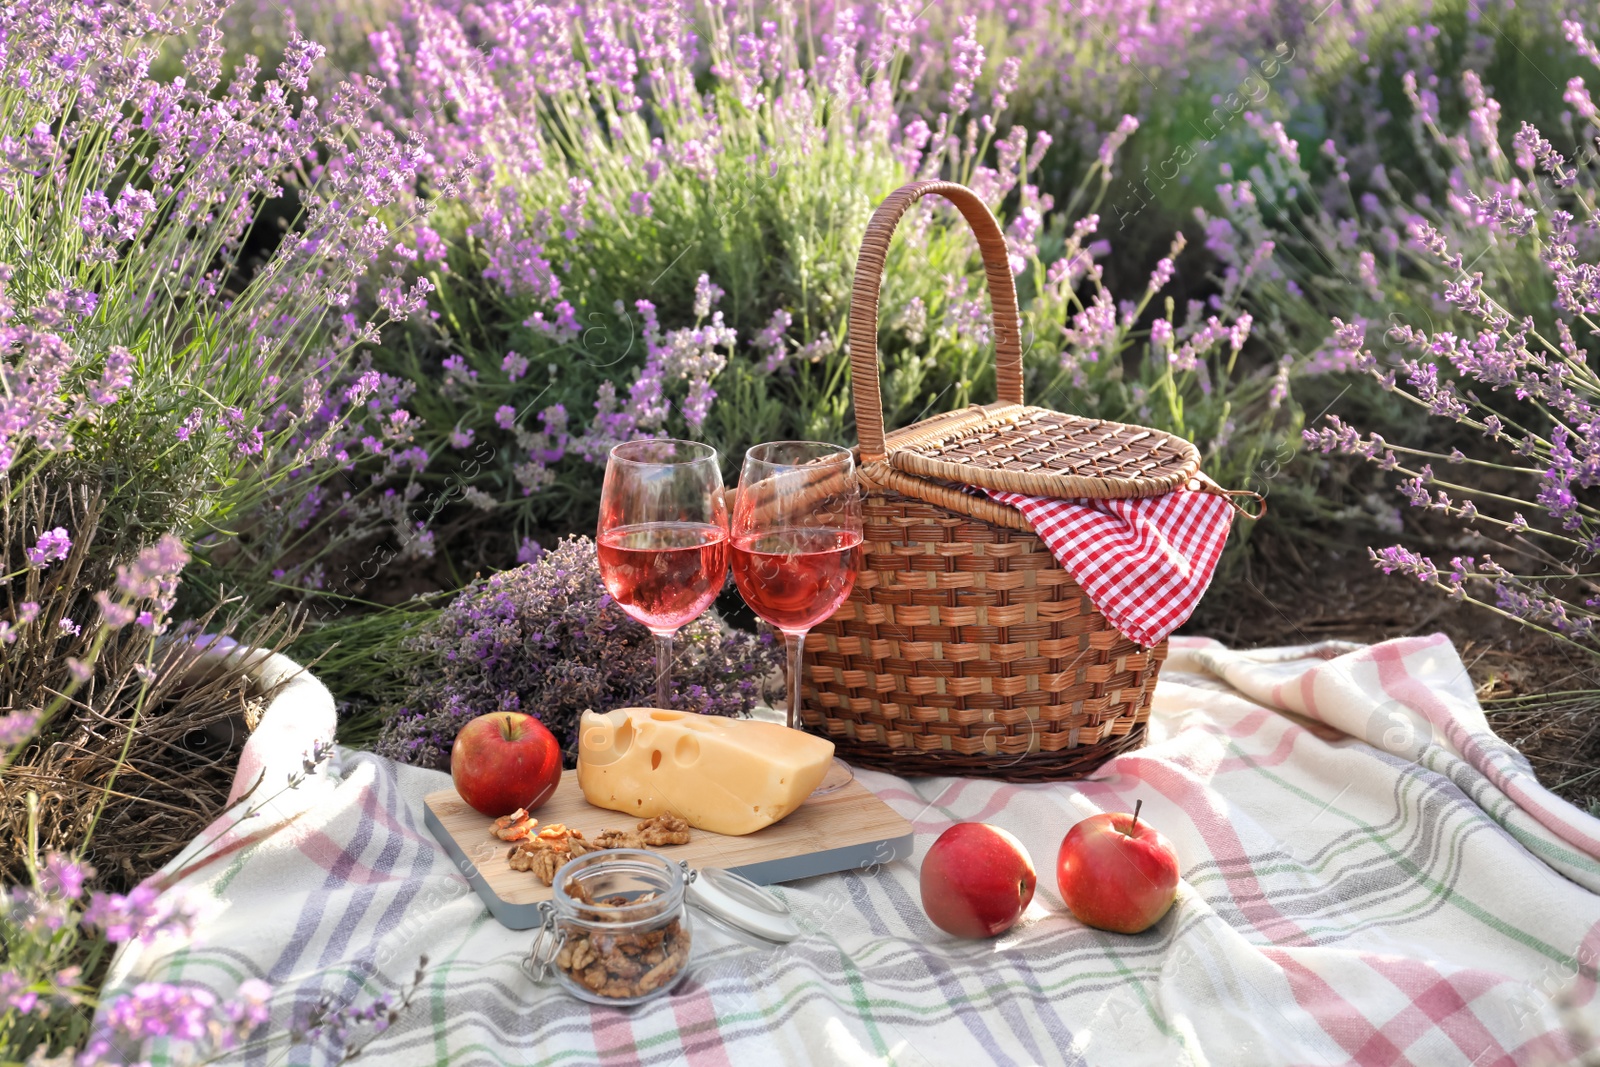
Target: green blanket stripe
436	997
1501	804
1504	807
1452	896
991	993
675	1035
1332	854
1455	847
234	868
1139	991
777	1007
863	1003
228	967
1151	970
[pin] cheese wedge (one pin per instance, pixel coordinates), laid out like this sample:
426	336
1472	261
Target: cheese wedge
729	776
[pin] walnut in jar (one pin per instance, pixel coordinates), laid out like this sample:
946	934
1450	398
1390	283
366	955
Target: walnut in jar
617	928
613	950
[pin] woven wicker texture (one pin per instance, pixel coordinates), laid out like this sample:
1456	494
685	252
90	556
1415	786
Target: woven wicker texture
965	648
1045	453
1061	766
1005	445
967	639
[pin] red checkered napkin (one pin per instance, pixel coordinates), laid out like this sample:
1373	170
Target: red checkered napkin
1144	563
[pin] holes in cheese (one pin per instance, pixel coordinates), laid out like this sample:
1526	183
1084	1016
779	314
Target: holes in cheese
729	776
607	741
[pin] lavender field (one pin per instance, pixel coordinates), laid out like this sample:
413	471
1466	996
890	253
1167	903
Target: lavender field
317	322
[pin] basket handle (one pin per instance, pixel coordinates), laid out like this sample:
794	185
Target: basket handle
1203	483
864	381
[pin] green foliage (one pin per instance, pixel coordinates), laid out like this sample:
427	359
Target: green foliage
641	256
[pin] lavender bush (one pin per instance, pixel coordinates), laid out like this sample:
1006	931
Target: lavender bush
149	390
153	381
659	237
1507	264
546	639
160	376
1190	70
687	270
1339	214
58	931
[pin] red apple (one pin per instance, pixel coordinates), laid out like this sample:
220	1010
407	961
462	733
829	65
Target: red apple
1117	873
977	880
505	761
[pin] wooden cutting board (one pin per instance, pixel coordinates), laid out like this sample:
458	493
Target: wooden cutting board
844	829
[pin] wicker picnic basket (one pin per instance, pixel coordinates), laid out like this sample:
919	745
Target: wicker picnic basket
965	648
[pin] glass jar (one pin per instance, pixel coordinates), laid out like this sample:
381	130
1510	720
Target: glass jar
616	929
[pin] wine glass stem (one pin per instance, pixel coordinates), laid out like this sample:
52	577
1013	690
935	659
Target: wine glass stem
664	670
795	643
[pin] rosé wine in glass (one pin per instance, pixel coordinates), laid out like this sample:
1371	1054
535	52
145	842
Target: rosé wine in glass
664	573
663	538
795	578
795	544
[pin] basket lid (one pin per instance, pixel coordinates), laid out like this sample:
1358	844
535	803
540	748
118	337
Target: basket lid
1021	449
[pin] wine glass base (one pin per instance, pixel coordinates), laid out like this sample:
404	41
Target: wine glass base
839	775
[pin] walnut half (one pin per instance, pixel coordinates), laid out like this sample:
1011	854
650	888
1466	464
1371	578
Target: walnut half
543	863
618	839
514	827
664	829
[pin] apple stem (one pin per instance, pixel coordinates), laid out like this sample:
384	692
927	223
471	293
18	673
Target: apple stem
1137	804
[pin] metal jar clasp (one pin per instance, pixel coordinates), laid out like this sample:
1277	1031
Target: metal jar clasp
546	945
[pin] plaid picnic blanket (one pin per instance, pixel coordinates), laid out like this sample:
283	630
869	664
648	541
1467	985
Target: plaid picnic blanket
1369	877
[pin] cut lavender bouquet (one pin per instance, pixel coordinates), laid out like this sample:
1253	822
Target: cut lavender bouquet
546	639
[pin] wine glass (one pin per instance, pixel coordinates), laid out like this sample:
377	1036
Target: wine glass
663	538
794	545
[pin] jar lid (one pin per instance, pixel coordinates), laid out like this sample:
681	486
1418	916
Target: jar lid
739	905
